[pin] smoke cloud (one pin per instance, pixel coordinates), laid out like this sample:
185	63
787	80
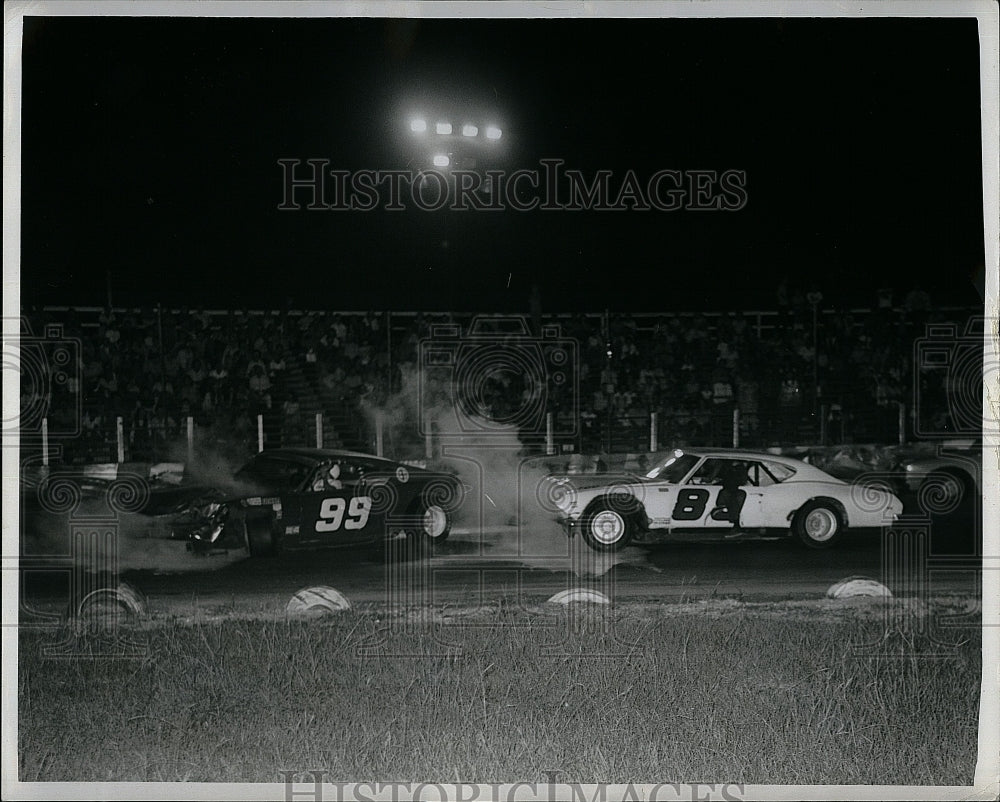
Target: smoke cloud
97	528
506	506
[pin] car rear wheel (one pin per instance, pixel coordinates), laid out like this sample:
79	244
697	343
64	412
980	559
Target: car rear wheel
608	526
819	525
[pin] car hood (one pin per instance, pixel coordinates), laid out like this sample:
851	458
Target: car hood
592	480
166	498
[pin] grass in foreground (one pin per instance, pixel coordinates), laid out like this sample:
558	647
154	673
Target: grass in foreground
738	698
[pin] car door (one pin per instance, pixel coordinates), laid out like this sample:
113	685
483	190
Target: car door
698	498
694	500
751	516
659	488
335	509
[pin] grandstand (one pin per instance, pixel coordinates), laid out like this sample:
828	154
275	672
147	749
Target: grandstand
243	378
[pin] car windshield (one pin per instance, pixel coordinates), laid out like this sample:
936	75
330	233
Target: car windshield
673	468
274	474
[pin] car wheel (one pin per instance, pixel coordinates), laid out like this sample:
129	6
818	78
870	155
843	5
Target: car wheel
818	524
260	537
435	523
426	526
608	526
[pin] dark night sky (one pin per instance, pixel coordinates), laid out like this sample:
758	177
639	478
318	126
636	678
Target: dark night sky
151	147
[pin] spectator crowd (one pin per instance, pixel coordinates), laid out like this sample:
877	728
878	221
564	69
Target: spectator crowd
783	370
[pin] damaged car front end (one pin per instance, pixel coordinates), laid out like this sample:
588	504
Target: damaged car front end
201	524
215	524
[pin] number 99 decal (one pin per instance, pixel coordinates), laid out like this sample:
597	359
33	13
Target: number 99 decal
331	513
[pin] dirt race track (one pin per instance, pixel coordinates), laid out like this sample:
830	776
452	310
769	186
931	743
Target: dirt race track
470	569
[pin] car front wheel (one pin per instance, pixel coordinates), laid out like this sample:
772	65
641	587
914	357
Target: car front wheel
260	537
427	525
435	524
819	525
608	526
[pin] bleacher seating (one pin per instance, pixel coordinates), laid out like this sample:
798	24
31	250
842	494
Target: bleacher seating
155	368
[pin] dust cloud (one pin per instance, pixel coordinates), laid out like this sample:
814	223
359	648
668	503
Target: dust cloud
508	505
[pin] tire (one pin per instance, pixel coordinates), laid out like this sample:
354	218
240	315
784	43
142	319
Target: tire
260	537
435	524
609	525
819	524
426	526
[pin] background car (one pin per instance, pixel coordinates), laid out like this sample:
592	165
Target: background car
947	481
719	492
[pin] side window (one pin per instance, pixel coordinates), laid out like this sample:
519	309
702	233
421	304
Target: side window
349	471
777	472
327	478
317	484
710	472
725	472
758	476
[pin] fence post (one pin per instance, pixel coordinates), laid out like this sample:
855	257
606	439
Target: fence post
654	435
736	427
190	438
822	424
428	437
550	444
260	433
120	437
45	442
902	423
379	434
388	351
319	430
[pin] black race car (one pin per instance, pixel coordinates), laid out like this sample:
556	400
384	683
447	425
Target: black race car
307	498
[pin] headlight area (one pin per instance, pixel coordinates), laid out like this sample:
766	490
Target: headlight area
560	496
208	532
567	510
569	525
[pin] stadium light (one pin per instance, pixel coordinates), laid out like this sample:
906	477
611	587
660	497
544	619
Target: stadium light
492	132
443	128
418	126
440	160
469	130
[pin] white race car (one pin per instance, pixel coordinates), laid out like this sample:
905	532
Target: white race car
718	492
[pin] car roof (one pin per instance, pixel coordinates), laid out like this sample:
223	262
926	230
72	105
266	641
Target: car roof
741	453
314	456
803	469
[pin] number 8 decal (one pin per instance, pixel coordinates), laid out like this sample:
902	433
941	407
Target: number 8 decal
690	505
331	513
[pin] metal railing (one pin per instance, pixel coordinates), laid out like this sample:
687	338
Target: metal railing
125	440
